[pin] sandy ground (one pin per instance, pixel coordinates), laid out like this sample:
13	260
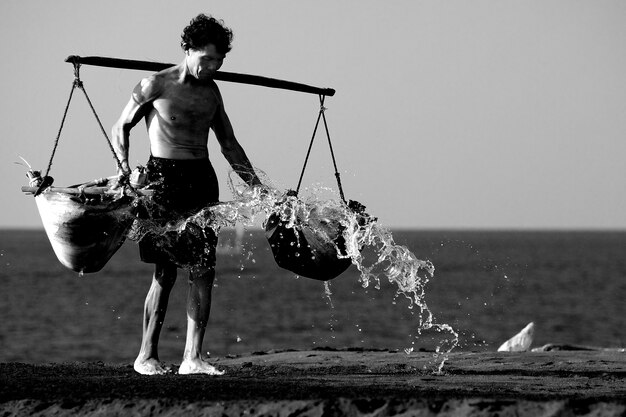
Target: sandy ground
331	382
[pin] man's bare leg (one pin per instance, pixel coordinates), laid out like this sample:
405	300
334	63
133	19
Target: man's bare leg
155	307
198	309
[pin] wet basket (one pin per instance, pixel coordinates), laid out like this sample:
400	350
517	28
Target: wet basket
306	251
84	234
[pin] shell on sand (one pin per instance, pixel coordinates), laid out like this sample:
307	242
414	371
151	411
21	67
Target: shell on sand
520	342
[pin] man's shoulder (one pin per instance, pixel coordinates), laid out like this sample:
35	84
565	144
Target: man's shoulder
153	86
168	74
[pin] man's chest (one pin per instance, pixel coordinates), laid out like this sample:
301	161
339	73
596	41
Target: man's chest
187	107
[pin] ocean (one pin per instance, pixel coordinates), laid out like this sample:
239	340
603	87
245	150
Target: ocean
487	285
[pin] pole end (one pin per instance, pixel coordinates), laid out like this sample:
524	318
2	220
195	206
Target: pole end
73	59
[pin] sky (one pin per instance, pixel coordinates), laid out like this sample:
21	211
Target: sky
448	114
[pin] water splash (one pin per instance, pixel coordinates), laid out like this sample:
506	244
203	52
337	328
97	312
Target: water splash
368	244
374	252
328	294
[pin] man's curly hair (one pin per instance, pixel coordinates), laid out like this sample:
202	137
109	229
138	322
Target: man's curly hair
203	30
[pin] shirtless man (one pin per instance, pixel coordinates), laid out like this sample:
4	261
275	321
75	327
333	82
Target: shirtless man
180	105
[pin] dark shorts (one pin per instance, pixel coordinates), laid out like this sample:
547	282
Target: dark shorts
181	188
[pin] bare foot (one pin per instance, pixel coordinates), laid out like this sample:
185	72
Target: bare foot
150	367
198	366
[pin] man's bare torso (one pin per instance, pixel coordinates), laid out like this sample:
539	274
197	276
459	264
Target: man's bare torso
181	105
180	111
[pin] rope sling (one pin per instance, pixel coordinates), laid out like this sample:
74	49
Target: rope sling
86	231
86	224
77	83
322	115
302	247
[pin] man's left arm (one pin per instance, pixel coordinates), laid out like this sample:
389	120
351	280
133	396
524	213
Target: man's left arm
231	149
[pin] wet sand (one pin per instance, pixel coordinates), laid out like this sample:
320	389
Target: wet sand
331	382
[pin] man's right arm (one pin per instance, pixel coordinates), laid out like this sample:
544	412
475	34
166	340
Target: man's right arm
138	106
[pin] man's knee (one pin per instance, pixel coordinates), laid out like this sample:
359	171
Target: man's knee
202	273
165	274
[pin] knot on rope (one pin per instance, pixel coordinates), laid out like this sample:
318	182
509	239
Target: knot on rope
77	82
76	63
322	108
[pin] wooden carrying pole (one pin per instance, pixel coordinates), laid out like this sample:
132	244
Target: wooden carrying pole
81	191
100	61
